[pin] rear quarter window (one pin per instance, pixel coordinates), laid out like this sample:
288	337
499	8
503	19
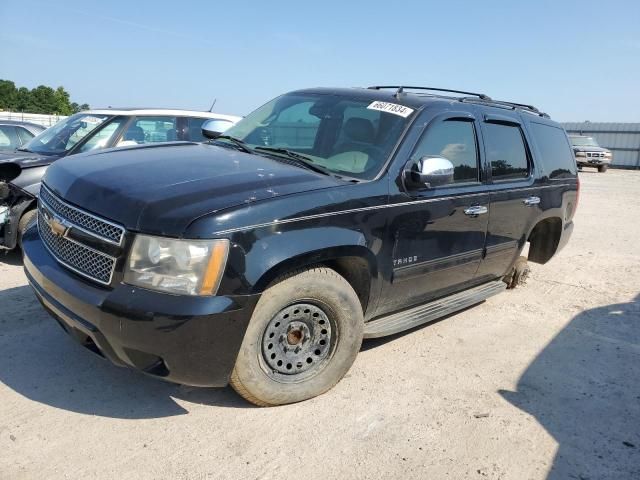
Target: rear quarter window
555	151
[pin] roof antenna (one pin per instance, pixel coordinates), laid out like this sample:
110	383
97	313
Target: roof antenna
399	93
214	102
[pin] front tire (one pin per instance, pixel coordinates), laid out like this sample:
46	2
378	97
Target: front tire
304	335
602	168
24	223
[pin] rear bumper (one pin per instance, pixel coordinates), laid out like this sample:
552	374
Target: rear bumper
187	340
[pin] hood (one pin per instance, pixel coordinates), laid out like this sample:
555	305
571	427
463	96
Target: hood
584	148
26	159
161	189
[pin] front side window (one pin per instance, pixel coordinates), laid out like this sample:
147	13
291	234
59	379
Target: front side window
62	137
103	137
346	136
506	151
149	130
454	140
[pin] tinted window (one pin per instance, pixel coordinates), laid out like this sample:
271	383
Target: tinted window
149	130
8	137
24	134
455	141
557	157
506	151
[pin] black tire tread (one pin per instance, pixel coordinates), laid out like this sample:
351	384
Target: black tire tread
235	381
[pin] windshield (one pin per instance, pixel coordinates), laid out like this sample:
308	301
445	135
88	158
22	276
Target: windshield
349	137
65	134
583	142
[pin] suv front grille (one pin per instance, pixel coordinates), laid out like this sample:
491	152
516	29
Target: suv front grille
105	230
82	259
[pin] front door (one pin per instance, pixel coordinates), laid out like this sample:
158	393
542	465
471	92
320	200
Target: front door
438	233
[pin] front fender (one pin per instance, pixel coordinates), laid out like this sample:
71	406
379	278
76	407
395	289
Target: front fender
258	260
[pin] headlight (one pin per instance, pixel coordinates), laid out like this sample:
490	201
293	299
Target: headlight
579	153
607	154
183	267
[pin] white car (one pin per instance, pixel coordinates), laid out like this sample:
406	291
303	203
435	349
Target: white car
22	169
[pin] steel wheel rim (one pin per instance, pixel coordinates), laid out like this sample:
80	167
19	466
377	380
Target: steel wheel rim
297	342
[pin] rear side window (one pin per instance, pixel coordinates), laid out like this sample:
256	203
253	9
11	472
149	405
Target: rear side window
24	134
149	130
506	151
193	132
555	150
8	137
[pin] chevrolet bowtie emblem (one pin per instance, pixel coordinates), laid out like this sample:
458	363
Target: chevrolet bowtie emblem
59	227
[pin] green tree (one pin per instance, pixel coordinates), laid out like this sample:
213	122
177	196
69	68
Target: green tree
63	105
42	99
8	95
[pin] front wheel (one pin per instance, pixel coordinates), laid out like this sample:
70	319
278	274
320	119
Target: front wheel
603	168
303	337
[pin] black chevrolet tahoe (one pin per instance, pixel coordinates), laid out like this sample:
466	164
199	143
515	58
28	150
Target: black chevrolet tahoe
263	258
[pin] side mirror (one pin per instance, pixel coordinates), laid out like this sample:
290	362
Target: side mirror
214	128
428	172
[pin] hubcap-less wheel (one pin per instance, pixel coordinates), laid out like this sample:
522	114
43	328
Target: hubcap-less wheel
297	342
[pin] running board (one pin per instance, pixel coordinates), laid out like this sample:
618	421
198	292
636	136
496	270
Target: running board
397	322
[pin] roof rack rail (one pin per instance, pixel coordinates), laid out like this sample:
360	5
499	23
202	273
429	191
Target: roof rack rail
512	105
401	88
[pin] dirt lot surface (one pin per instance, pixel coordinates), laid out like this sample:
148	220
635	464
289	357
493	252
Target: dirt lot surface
539	382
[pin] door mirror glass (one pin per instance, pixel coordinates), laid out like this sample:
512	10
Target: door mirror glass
214	128
428	172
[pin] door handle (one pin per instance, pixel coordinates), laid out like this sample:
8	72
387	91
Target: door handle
529	202
475	210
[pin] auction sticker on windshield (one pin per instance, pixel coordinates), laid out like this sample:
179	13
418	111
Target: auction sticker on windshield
394	108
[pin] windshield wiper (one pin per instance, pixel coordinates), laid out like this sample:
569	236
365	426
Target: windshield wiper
24	149
303	159
236	142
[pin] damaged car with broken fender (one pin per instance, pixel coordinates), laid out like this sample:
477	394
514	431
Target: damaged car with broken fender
21	170
263	258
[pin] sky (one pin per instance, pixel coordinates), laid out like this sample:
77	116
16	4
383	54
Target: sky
576	60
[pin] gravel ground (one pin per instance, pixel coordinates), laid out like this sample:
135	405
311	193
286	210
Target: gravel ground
539	382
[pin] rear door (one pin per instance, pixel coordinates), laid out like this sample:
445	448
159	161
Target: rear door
514	192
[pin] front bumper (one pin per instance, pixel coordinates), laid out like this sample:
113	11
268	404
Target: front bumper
187	340
592	162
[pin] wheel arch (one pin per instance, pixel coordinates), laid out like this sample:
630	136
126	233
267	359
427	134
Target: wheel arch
544	239
356	263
